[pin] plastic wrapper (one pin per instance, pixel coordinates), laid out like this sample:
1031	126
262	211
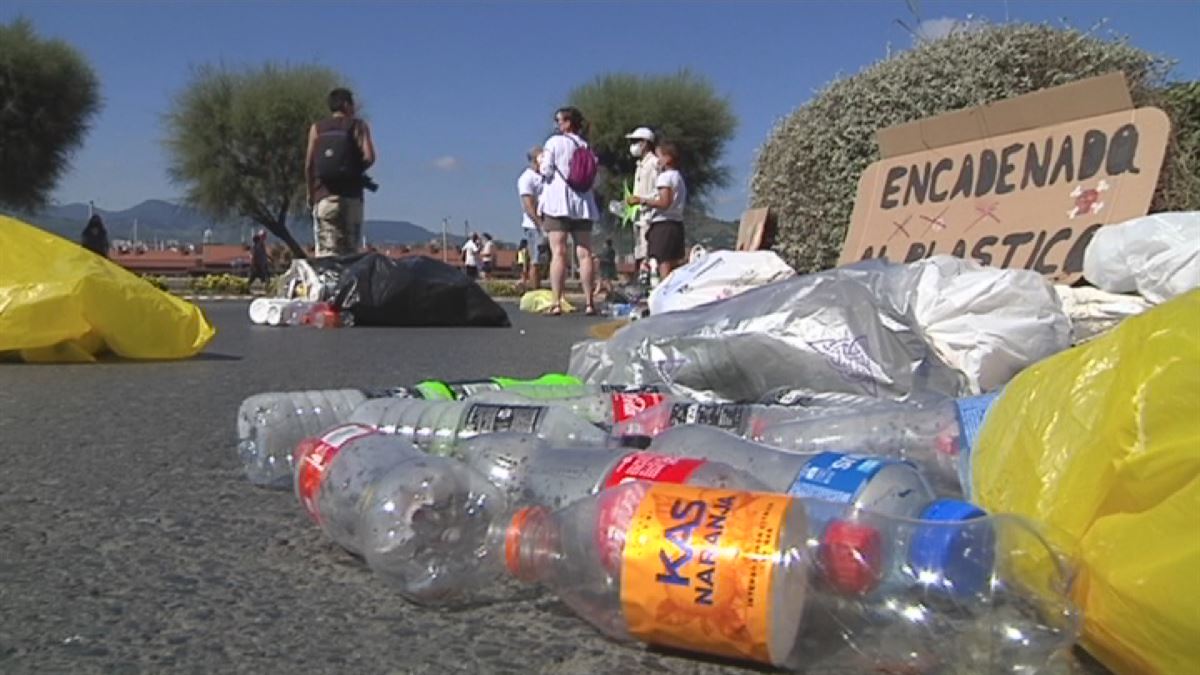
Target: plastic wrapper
541	300
846	330
716	276
1157	255
61	302
1093	311
413	291
1101	442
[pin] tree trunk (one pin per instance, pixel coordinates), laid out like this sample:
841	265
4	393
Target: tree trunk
279	228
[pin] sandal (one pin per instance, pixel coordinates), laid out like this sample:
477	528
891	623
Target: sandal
553	310
591	310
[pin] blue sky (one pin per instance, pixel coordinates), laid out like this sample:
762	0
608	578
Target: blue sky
456	91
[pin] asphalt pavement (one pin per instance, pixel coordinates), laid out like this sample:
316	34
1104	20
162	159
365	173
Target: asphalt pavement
131	543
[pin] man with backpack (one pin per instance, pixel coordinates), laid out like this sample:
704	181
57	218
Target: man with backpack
569	166
339	152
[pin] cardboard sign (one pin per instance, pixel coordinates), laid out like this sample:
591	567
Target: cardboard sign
756	231
1029	199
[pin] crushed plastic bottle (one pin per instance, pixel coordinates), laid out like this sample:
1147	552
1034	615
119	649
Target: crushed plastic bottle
351	462
546	386
526	470
439	427
741	575
603	405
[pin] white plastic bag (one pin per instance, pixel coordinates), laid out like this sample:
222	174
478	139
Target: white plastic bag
1093	311
1157	255
716	276
987	322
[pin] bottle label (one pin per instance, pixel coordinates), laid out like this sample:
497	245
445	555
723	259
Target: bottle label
626	406
630	389
726	416
465	388
315	456
394	392
836	477
485	418
652	467
697	569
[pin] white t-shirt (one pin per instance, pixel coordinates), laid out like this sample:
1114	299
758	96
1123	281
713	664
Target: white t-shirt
671	178
558	199
530	185
470	254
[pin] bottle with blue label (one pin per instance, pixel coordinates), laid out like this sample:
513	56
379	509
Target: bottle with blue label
935	434
841	487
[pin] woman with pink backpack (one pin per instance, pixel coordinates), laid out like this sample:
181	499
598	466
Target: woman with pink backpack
569	166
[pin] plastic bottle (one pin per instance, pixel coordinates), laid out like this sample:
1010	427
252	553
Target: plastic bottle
439	427
527	471
549	385
602	405
733	573
937	435
743	419
350	462
269	426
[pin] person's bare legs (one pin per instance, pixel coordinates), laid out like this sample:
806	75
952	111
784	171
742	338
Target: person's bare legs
665	269
558	266
587	270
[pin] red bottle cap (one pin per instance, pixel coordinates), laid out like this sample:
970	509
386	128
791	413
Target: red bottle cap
852	557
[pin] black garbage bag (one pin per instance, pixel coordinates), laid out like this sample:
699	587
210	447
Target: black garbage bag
414	291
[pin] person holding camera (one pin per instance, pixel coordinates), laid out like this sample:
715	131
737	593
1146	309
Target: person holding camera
339	152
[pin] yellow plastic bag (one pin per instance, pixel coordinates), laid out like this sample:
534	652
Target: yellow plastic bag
1103	441
540	300
61	302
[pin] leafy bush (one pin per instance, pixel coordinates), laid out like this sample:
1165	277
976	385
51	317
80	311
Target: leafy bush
222	284
1179	187
498	288
158	282
808	170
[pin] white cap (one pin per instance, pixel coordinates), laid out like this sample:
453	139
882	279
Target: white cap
641	134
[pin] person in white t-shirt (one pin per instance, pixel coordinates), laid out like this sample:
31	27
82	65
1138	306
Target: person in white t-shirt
565	212
664	239
487	256
643	149
470	255
529	187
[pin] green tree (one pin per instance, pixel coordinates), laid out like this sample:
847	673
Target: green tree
808	170
48	95
683	108
236	141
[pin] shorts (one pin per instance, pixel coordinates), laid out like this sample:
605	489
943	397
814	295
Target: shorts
664	241
486	267
337	225
639	240
571	225
532	235
471	271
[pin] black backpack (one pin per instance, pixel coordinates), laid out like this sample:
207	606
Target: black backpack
337	156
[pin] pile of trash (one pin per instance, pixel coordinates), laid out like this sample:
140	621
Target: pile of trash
372	289
879	468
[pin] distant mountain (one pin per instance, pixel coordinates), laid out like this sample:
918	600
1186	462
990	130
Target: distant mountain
713	233
164	220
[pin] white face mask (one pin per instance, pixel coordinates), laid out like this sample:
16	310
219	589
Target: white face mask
636	150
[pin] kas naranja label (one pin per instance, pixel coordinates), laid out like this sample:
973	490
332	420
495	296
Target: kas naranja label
697	569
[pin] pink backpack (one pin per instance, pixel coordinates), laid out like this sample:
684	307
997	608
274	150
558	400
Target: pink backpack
581	172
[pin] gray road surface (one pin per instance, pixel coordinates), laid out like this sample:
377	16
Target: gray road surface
130	543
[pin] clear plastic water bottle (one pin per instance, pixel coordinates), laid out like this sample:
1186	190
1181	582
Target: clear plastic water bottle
936	435
743	419
269	426
338	470
439	427
740	575
546	386
526	470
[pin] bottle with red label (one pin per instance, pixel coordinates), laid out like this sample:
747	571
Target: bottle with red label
440	427
738	574
527	471
338	470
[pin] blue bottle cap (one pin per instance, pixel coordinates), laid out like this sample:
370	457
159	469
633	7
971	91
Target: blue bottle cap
959	559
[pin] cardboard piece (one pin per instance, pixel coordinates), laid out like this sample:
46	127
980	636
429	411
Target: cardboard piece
1030	198
756	231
